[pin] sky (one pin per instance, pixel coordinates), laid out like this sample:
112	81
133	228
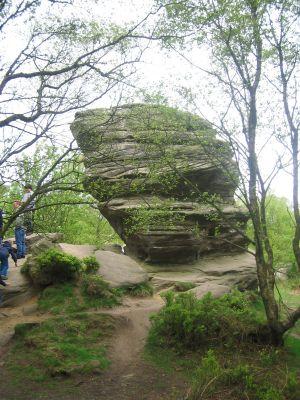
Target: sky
166	73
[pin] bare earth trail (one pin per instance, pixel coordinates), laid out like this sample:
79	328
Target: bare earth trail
129	376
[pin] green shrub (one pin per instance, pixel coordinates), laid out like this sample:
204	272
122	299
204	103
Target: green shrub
188	322
91	264
53	266
97	292
292	388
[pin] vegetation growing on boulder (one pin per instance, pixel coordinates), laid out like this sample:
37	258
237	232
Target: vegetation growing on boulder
91	265
52	266
140	290
97	292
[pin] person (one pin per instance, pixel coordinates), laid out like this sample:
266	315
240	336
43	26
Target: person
5	251
28	217
20	232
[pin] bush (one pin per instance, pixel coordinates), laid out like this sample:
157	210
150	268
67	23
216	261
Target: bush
190	323
91	264
53	266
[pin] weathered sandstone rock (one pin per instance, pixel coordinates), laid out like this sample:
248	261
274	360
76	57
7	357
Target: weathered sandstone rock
120	270
163	180
211	273
117	269
19	288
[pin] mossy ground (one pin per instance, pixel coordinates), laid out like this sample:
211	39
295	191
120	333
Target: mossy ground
60	346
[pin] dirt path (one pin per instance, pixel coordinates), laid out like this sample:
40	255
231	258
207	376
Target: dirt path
129	377
133	328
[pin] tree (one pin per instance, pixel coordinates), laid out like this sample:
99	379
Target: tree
64	207
58	64
282	36
234	33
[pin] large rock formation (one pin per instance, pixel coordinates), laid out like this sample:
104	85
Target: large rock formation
163	180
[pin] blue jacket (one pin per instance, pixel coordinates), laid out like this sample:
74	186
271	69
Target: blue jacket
6	250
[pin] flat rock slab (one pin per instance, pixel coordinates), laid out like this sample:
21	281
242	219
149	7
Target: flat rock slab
215	289
222	265
234	270
78	250
35	237
120	270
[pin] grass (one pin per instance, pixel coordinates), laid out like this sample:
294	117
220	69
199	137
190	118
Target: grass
170	359
289	292
243	372
61	346
183	286
68	298
61	298
140	290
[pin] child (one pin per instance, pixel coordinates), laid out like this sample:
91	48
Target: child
5	251
20	232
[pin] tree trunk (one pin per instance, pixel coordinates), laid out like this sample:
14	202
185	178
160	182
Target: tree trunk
296	239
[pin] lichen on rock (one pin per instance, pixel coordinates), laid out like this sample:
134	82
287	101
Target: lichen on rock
163	179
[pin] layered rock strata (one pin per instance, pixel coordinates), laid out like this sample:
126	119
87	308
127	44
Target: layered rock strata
163	180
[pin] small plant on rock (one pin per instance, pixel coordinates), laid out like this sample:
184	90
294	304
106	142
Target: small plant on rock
97	292
140	290
91	265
